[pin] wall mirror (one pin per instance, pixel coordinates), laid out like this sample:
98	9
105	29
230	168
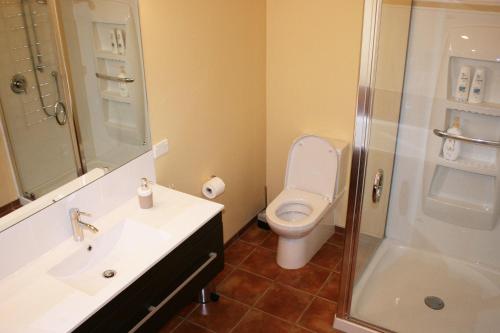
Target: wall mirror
72	98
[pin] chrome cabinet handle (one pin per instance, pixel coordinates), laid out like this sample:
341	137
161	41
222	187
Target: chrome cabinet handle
443	134
378	186
153	309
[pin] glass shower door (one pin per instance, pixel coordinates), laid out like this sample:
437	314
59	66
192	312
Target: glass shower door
431	262
32	100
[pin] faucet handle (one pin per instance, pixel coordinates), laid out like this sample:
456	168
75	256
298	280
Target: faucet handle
80	213
75	213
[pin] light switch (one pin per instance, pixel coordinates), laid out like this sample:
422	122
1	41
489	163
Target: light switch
160	148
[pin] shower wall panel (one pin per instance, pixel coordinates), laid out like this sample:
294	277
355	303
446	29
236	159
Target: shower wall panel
407	221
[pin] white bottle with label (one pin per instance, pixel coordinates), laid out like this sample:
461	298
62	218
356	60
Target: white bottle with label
452	147
463	84
122	86
120	42
476	94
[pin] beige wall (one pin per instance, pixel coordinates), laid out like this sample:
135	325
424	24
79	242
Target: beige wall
206	64
313	52
8	192
205	73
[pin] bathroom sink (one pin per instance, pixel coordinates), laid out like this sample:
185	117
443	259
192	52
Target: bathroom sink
122	250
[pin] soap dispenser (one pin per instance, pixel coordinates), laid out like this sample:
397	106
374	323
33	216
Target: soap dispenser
145	194
451	147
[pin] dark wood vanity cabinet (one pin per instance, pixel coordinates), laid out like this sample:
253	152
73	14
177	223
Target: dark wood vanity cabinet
158	294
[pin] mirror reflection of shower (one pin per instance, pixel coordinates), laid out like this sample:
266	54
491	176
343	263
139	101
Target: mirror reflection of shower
57	109
33	110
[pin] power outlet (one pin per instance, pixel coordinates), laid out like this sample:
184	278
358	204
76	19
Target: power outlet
160	148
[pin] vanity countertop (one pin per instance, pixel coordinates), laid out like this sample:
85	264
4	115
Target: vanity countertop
35	299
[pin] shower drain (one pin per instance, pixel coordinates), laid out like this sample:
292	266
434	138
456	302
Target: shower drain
434	302
109	273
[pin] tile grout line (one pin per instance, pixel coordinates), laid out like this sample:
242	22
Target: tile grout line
201	326
323	267
233	268
324	283
241	320
177	326
304	311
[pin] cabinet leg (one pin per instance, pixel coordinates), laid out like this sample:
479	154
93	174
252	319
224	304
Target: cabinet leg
208	294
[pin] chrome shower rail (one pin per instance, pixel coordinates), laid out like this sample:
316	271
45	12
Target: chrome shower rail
114	78
443	134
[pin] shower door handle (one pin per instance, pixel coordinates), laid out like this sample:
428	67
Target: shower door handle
378	186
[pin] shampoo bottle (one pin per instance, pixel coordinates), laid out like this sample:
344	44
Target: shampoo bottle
145	194
120	42
463	84
476	94
112	42
451	147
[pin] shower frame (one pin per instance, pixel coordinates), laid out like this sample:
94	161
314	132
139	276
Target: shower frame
363	122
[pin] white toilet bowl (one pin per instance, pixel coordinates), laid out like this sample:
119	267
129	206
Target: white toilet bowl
302	214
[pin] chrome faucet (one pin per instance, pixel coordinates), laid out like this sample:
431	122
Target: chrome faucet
78	225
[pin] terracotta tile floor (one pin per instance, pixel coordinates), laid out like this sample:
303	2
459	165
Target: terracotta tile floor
259	296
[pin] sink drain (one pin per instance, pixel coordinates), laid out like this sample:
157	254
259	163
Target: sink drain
434	302
109	273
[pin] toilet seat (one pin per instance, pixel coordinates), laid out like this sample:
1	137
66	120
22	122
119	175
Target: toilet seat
296	212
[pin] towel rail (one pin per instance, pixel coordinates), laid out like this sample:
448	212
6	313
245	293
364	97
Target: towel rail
114	78
446	135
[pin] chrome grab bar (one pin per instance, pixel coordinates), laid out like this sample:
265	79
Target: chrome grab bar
114	78
443	134
153	309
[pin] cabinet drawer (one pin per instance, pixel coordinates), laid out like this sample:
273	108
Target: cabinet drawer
137	301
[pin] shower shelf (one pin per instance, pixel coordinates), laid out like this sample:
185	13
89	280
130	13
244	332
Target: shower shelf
110	56
469	165
115	97
465	214
465	192
490	109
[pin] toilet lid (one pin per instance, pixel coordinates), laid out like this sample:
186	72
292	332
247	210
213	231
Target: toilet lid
312	166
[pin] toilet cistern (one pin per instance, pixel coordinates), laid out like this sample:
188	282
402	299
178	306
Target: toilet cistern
78	225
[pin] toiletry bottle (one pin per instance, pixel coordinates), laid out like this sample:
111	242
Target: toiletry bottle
145	194
122	86
463	84
112	42
476	94
451	147
120	41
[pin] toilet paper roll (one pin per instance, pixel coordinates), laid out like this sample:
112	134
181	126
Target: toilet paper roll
213	188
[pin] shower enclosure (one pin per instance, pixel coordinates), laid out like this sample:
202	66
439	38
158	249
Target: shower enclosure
40	134
423	236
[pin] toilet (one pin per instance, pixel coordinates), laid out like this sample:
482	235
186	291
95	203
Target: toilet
303	213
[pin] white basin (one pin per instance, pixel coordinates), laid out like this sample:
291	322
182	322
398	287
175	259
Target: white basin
124	249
